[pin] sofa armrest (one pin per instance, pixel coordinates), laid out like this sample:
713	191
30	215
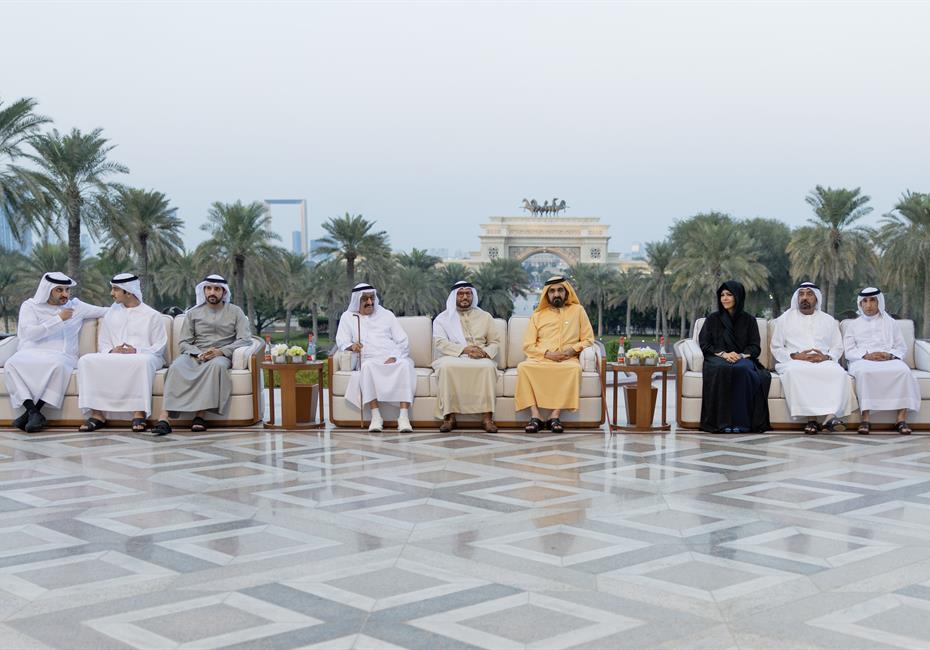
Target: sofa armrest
242	357
922	355
588	359
8	348
690	352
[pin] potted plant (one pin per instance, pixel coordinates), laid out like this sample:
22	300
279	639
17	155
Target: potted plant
634	356
279	353
650	356
296	354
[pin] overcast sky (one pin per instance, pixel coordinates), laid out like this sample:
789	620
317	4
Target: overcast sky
428	118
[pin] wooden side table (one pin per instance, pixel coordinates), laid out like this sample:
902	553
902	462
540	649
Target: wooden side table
644	407
295	398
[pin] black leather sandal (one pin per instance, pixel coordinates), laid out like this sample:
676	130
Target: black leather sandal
555	425
864	429
161	428
199	425
138	425
902	428
835	425
534	425
92	424
811	427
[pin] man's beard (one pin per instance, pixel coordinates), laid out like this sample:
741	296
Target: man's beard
557	302
212	300
464	306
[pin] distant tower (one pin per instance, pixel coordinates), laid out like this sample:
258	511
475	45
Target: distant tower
304	247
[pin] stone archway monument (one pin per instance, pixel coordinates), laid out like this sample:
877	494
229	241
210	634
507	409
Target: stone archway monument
574	239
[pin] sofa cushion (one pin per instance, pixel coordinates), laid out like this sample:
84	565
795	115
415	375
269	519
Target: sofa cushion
590	383
498	387
8	348
419	331
341	382
905	326
923	381
765	341
516	328
87	339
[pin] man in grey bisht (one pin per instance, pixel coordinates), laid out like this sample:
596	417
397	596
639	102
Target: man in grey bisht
198	380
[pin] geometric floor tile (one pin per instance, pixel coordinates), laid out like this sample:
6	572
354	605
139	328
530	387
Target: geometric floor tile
819	547
326	493
162	517
419	513
70	493
247	544
554	460
905	515
526	620
531	494
208	622
683	520
869	478
787	495
731	460
380	585
224	476
71	576
32	538
655	477
890	619
560	545
703	577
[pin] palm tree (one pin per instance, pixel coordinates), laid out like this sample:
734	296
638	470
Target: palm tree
712	254
595	284
497	283
350	238
239	234
624	291
415	292
655	289
70	183
177	276
449	274
18	122
418	259
143	224
772	237
13	288
294	287
830	249
905	242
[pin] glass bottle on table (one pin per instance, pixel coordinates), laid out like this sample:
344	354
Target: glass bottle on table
621	350
267	348
662	354
311	348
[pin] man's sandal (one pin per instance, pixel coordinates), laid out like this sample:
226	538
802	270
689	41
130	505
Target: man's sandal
92	424
138	425
811	427
835	425
864	429
534	425
902	428
555	425
199	425
161	428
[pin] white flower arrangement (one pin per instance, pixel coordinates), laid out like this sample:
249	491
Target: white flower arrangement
278	350
296	351
641	353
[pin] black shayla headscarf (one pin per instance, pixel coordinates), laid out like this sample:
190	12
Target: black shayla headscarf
739	293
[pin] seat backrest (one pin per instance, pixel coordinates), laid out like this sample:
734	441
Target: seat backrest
174	340
905	326
87	339
516	328
419	331
765	356
169	331
501	326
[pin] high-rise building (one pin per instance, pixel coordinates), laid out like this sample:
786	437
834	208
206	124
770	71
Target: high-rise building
295	241
8	241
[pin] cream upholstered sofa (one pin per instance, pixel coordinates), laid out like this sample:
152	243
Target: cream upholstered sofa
419	330
689	381
246	404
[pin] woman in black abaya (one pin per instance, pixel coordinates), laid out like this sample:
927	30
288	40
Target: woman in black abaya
736	386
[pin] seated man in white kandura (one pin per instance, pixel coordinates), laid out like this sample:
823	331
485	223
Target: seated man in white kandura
131	340
875	351
385	372
807	346
466	344
48	331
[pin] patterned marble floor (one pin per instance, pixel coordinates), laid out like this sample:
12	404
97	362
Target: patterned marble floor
247	539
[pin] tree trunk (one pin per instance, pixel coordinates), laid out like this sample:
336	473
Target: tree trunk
350	269
74	243
831	298
684	321
143	262
776	305
665	323
313	324
600	319
905	306
925	328
628	312
658	320
239	282
287	325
